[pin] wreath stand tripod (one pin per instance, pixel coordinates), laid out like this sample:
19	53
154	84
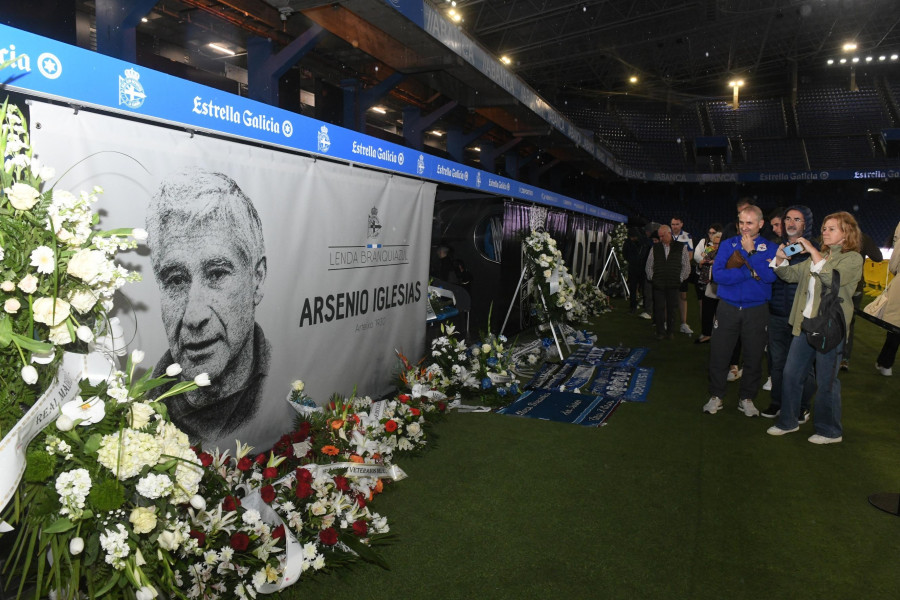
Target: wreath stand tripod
612	257
544	302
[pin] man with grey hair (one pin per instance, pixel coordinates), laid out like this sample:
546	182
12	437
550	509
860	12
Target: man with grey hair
209	259
668	266
741	269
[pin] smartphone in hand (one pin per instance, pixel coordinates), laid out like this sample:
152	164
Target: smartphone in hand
793	249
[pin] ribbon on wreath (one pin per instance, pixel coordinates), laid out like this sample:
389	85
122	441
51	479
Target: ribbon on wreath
12	448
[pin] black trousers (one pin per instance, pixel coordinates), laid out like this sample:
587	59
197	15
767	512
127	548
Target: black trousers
707	314
750	325
889	350
666	309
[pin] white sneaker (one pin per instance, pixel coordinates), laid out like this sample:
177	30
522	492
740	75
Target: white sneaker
734	374
886	371
768	384
685	328
713	406
773	430
644	315
746	407
804	417
821	439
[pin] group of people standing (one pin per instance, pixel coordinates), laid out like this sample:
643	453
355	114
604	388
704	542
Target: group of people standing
755	292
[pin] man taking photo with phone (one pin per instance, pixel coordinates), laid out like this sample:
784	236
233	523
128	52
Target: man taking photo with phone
798	222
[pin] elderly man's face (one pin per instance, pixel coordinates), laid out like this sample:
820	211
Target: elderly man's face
209	296
665	235
794	224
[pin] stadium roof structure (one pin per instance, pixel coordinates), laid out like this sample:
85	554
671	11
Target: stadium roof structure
558	52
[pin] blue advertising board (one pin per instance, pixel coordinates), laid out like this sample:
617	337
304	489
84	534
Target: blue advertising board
48	68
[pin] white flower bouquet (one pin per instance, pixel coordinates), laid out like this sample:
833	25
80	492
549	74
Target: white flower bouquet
57	274
553	285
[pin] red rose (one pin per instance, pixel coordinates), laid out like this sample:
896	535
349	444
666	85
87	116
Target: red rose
341	483
240	541
415	412
404	398
270	472
199	536
303	431
360	528
390	426
260	459
244	464
442	406
304	475
278	532
231	503
267	492
205	459
361	501
304	490
328	536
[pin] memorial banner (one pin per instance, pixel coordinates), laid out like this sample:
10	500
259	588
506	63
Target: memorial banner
263	266
566	407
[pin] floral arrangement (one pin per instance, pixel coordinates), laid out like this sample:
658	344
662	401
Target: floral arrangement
127	509
591	302
492	370
57	274
554	287
450	366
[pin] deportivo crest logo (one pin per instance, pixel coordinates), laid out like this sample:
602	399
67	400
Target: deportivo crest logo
374	226
323	142
131	92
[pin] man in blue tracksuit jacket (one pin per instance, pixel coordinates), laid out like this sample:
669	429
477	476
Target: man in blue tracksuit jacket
741	269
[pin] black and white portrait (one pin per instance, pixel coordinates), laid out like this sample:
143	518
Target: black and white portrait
209	260
241	240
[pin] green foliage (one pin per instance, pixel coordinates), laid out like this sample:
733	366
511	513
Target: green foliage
106	495
39	466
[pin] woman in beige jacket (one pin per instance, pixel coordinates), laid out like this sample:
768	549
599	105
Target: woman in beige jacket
891	314
841	243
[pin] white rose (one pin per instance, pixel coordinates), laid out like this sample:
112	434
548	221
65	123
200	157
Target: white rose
7	286
143	518
22	196
76	546
82	300
29	374
28	284
85	334
86	264
173	370
298	385
413	428
65	423
485	348
50	312
59	335
12	306
169	540
547	274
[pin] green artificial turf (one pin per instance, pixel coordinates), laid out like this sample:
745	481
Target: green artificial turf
662	502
